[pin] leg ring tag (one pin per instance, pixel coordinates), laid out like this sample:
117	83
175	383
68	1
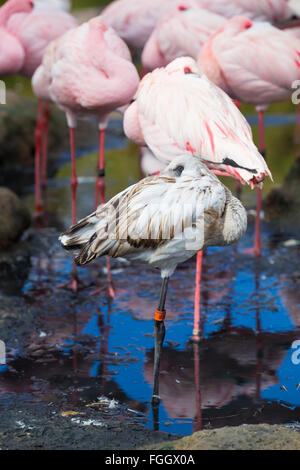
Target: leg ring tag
160	315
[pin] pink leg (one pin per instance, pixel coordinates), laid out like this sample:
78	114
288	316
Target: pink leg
256	250
111	291
74	181
38	141
262	149
100	184
238	184
196	331
45	143
100	196
74	282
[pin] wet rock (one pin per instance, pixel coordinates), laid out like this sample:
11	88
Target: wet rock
14	218
245	437
17	130
26	427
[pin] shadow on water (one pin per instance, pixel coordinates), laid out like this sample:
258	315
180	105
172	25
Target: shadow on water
244	370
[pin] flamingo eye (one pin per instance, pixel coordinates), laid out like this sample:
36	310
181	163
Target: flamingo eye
187	70
31	4
182	8
178	170
248	24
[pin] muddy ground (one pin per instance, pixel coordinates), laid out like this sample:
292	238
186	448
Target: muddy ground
36	413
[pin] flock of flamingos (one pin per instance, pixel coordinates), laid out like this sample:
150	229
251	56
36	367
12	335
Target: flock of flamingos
200	59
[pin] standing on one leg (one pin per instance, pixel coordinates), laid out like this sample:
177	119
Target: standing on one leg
178	111
162	221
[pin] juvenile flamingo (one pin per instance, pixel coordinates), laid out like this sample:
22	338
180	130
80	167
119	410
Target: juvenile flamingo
24	36
88	72
255	63
178	111
161	221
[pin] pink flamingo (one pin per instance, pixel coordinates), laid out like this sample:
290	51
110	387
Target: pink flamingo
87	72
150	165
178	111
182	33
274	11
255	63
24	36
134	20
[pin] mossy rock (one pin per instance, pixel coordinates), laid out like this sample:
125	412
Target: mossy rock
14	218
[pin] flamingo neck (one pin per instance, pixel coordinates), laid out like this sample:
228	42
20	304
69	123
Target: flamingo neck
14	6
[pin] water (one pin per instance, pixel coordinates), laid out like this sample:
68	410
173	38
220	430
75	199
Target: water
244	370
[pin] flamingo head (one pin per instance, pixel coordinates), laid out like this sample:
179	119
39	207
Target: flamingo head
183	66
237	25
14	6
182	8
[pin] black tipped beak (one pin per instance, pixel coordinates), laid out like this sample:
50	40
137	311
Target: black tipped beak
293	22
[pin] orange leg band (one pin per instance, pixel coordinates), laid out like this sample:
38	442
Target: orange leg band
160	315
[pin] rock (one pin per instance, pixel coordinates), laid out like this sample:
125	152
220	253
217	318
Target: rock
245	437
14	218
17	128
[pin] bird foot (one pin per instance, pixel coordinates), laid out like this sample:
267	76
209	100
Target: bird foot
74	284
108	289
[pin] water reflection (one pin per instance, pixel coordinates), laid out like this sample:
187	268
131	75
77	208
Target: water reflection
84	347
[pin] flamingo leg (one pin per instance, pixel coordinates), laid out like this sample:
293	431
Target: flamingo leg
46	121
262	149
100	183
159	334
73	283
100	197
257	248
74	180
38	146
159	331
196	331
238	184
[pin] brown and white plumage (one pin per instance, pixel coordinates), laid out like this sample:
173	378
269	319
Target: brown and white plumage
163	220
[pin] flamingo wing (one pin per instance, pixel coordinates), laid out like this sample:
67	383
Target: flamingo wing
188	114
155	216
259	64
